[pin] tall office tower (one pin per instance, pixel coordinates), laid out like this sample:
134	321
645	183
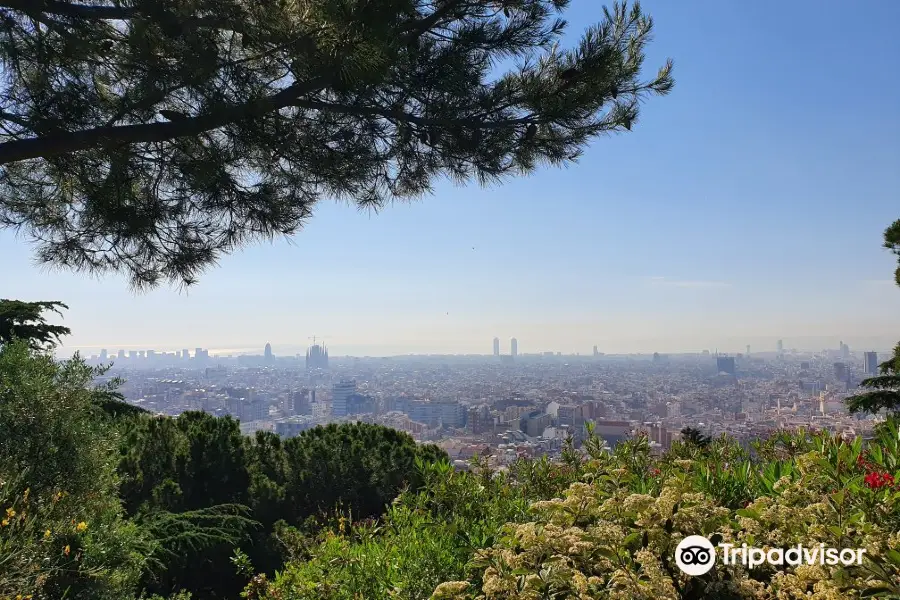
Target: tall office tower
725	364
845	350
513	347
103	355
198	353
496	346
748	349
780	345
841	372
871	360
121	354
185	354
132	354
595	350
340	392
268	352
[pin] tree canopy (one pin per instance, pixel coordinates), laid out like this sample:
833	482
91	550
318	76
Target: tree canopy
695	437
883	390
25	321
149	137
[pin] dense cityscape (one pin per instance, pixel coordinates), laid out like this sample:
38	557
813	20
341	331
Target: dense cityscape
507	405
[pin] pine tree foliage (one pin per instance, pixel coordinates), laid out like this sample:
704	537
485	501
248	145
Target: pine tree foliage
26	321
695	437
892	243
197	530
883	390
150	137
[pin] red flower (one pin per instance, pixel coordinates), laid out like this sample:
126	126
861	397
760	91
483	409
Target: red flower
876	481
654	471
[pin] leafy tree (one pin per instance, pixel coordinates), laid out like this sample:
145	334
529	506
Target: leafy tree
152	136
695	437
26	321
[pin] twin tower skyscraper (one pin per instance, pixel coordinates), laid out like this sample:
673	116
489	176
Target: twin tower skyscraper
513	347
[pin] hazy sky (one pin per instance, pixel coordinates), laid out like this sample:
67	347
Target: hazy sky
748	205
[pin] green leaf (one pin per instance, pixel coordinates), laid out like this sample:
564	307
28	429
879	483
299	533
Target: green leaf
893	556
878	592
748	513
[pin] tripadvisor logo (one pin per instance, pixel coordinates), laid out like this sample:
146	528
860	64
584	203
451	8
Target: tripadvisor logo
696	555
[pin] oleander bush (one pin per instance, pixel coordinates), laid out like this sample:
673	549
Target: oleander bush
605	525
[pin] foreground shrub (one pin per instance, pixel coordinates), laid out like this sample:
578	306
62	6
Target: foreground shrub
605	526
62	533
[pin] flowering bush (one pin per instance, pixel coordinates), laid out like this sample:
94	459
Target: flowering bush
607	528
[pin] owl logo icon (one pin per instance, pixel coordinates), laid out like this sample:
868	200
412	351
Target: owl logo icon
695	555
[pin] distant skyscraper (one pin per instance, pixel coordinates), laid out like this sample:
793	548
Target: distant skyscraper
340	393
871	360
496	346
513	347
595	350
103	355
781	345
268	352
748	349
725	364
185	354
121	354
841	373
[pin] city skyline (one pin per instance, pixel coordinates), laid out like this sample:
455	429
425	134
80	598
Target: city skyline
295	350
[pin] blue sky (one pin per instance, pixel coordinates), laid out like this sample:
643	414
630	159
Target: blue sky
746	206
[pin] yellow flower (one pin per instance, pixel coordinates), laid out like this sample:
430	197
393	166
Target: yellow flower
81	527
4	522
10	513
66	550
47	534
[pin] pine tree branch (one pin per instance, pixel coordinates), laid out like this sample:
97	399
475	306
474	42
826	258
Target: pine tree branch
882	382
873	402
55	8
420	27
399	115
64	143
67	9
